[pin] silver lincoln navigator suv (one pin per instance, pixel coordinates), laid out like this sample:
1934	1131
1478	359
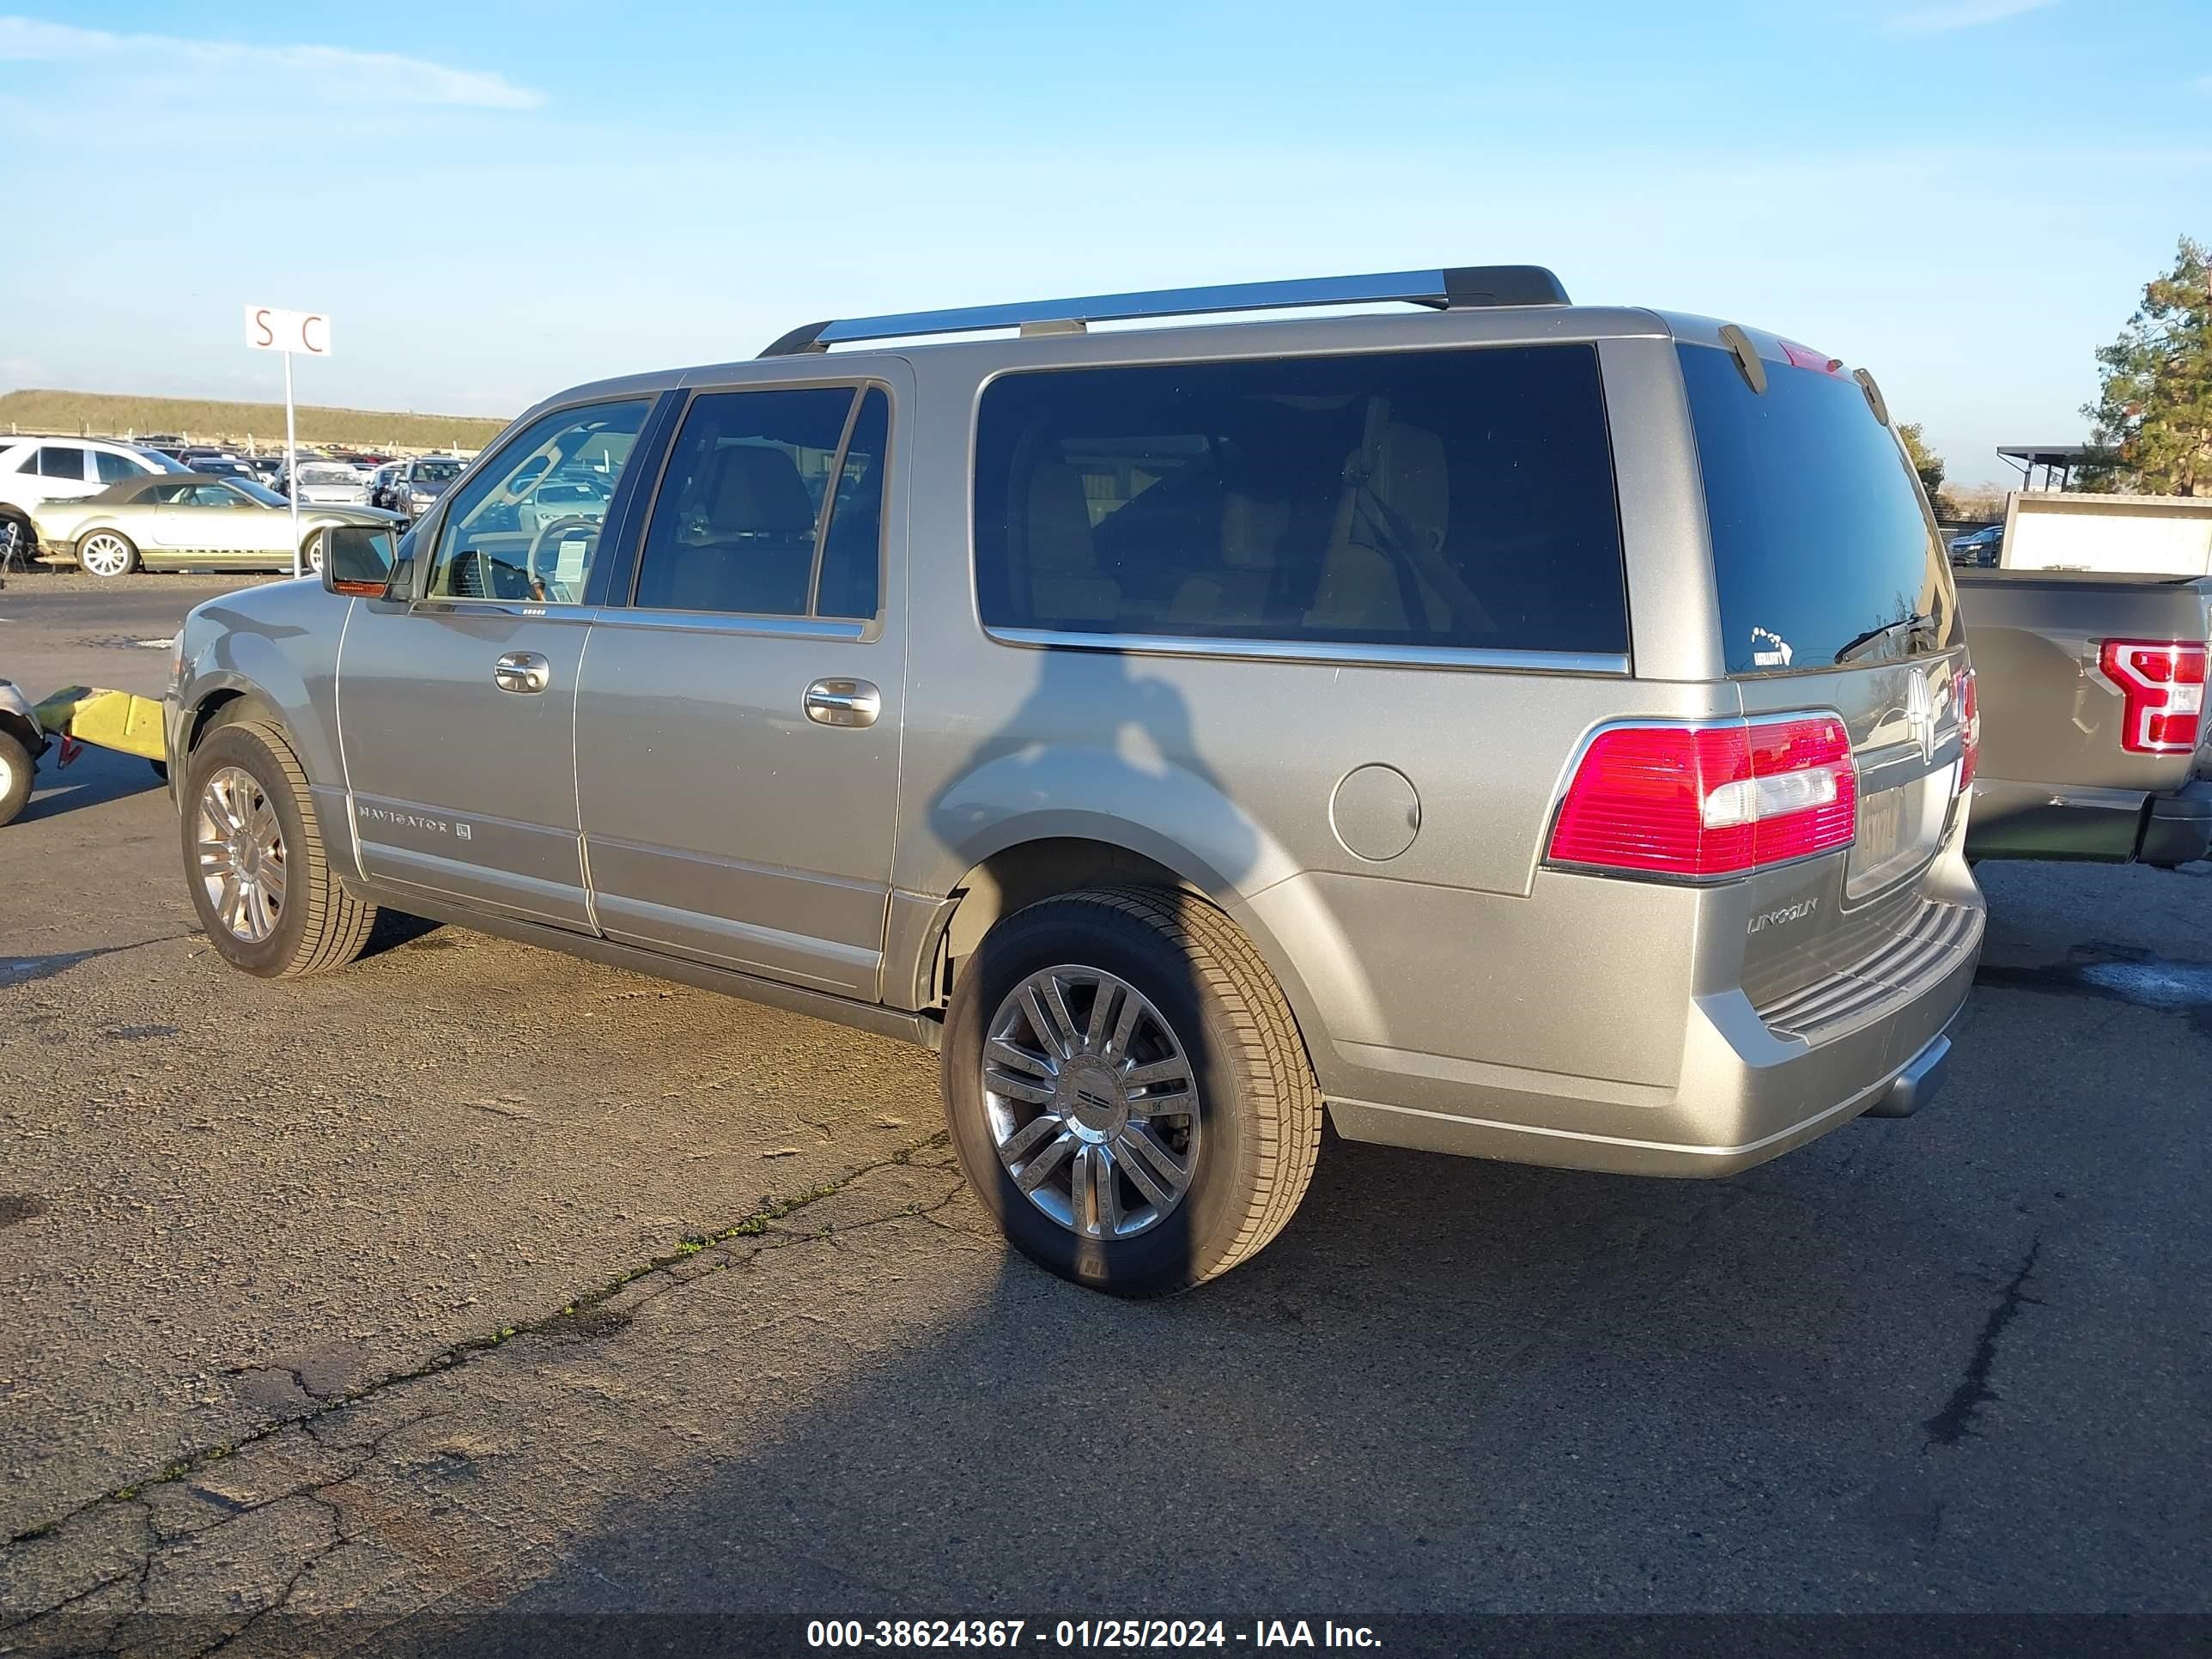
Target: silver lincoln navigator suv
1514	729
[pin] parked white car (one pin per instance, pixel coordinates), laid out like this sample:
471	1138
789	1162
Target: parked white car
330	483
36	470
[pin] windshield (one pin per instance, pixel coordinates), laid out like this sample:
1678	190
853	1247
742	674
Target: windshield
328	474
159	462
437	472
1822	550
260	493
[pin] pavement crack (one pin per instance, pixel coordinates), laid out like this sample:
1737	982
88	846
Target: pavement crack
1955	1422
755	1224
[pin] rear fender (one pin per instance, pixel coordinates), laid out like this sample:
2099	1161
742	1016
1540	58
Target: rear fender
1178	820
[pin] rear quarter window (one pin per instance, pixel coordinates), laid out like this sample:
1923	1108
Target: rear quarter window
1438	499
1823	553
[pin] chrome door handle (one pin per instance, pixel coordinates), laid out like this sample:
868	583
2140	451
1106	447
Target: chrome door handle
844	702
522	671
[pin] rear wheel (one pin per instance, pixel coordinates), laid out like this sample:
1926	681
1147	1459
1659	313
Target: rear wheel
310	552
254	862
107	553
16	772
1127	1091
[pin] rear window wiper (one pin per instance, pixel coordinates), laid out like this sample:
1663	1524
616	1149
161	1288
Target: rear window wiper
1906	627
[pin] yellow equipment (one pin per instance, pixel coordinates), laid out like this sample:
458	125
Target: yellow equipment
108	720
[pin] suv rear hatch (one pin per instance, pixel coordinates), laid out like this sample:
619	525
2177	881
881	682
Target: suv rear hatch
1835	597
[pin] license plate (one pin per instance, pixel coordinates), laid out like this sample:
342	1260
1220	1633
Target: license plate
1882	828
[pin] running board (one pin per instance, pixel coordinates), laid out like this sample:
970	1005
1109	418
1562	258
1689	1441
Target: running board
919	1030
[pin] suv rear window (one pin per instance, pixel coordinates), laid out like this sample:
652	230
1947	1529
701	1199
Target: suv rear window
1459	499
1822	552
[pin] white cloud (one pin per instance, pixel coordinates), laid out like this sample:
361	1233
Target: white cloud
1961	15
308	71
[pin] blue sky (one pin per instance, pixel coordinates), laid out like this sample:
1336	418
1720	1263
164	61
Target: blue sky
495	201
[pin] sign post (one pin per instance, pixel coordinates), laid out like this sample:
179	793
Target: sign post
288	331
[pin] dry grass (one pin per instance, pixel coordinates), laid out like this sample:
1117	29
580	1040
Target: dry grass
105	414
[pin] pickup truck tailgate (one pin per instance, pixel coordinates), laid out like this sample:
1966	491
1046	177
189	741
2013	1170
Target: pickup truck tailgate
2082	730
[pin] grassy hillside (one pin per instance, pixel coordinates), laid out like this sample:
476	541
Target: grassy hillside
104	414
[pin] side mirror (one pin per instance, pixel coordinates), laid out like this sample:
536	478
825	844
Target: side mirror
357	559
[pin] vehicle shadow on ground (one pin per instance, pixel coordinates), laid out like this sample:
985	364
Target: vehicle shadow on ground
95	777
1451	1385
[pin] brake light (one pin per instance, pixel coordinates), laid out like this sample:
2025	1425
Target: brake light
1805	358
1699	802
2163	683
1969	729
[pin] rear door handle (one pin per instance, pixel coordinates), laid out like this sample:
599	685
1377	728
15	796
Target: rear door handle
844	702
522	671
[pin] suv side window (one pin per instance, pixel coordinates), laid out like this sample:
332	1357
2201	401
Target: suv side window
57	461
1458	499
527	525
747	522
116	469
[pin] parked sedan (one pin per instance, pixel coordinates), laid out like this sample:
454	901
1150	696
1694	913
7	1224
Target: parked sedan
328	483
169	521
413	487
1978	547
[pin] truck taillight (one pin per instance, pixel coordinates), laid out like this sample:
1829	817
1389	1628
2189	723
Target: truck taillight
1703	802
1969	729
2163	683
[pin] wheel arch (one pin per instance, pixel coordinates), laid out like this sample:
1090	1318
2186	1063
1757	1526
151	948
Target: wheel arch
25	731
88	527
207	712
1025	870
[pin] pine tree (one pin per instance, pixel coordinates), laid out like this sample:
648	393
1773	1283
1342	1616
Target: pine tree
2154	409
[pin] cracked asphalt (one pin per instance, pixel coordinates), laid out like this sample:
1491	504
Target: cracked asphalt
474	1286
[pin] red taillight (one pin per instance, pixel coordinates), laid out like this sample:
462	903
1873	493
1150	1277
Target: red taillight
2163	683
1969	729
1701	801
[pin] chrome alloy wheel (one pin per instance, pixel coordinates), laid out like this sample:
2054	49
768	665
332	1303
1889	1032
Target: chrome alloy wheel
241	854
1093	1104
104	554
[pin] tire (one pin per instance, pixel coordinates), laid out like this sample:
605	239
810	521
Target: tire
310	552
1249	1143
17	773
26	540
315	925
107	554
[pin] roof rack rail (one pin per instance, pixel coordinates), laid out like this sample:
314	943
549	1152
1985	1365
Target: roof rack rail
1446	289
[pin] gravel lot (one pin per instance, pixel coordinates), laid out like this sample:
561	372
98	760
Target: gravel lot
475	1282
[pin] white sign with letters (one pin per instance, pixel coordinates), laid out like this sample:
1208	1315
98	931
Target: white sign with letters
295	333
307	332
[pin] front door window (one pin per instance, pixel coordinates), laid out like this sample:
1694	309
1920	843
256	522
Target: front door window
528	526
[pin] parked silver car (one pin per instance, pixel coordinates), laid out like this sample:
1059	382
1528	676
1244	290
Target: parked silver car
1513	728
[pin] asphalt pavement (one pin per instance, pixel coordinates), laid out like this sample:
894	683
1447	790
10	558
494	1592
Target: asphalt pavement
474	1284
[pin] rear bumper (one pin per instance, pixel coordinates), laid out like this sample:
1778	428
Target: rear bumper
2179	830
2111	826
2044	821
1747	1093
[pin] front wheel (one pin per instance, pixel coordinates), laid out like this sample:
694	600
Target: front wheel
310	552
1127	1091
107	554
266	896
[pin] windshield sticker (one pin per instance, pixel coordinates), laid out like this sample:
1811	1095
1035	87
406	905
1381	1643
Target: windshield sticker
1778	656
